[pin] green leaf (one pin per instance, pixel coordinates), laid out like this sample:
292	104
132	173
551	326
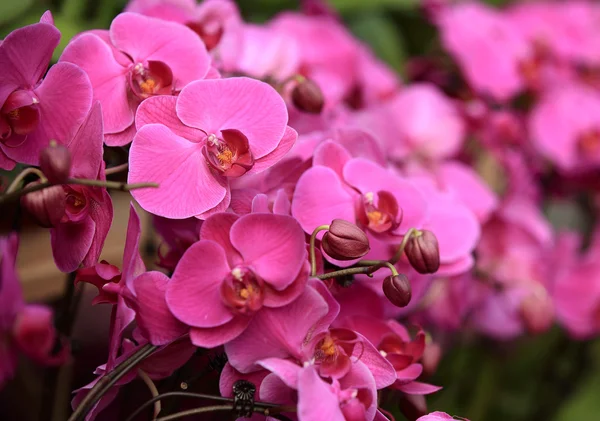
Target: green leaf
380	32
10	10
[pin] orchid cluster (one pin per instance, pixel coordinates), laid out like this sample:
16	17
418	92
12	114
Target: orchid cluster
325	226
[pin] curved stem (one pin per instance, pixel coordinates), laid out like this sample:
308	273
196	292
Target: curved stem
409	234
367	270
378	264
116	169
153	390
106	382
195	411
31	170
112	185
313	257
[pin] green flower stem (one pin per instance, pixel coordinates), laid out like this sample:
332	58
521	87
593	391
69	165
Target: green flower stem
19	178
410	233
313	257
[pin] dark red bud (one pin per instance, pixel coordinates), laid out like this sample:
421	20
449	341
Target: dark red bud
423	252
55	163
345	241
397	290
307	97
46	206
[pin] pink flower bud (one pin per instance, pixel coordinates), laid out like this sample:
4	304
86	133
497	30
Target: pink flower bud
397	290
345	241
46	206
55	163
423	252
537	312
307	97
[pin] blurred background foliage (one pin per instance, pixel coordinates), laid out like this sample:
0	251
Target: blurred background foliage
545	378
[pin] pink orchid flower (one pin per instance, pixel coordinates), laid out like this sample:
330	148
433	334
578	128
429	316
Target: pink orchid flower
214	131
334	351
26	329
212	20
137	58
34	108
487	46
240	266
356	190
79	237
394	343
177	236
568	136
438	416
421	123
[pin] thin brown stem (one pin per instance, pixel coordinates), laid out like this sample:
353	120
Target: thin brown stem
313	257
17	181
116	169
106	382
343	272
409	234
195	411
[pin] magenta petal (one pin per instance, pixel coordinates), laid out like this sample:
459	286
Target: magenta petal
144	38
193	295
212	337
418	388
277	332
229	376
248	105
71	243
383	372
102	214
217	228
161	109
267	161
47	18
133	265
408	374
332	155
65	97
121	138
25	54
316	399
5	162
272	244
286	370
87	146
320	198
152	314
107	76
186	185
121	317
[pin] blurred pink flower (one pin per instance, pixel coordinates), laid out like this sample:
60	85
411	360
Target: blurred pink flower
214	131
487	46
137	58
438	416
239	266
569	136
36	107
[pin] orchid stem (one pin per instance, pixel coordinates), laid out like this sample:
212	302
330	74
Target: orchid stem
112	185
409	234
378	264
153	390
116	169
17	181
344	272
106	382
313	257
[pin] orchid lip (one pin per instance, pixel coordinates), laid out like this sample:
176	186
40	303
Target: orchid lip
242	291
228	154
152	78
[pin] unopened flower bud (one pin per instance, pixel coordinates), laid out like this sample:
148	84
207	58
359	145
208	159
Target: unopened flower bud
307	97
46	206
537	312
55	163
397	289
345	241
423	252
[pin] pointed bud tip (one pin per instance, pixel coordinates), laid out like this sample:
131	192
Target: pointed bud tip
397	289
423	252
345	241
55	162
